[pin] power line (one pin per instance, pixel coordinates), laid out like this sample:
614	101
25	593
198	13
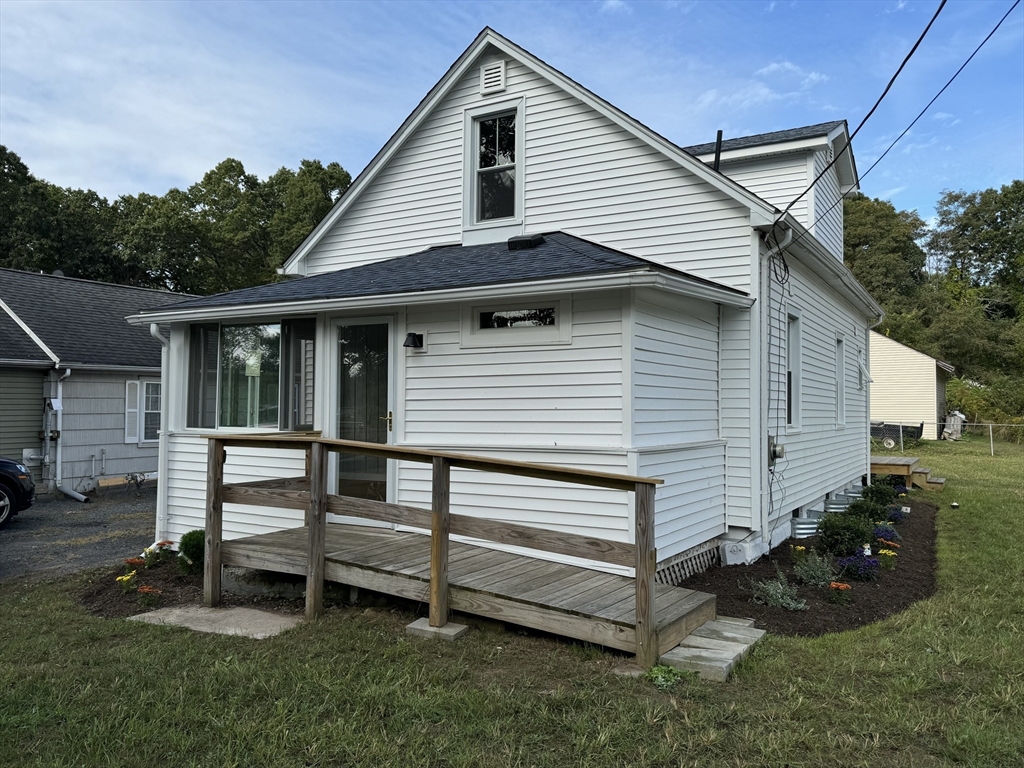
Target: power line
871	111
914	122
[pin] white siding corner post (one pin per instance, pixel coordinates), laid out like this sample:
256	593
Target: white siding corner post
439	527
215	455
317	522
646	564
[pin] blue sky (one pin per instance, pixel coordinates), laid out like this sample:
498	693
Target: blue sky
143	96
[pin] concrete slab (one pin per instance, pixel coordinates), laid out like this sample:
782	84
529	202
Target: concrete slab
693	641
729	632
246	622
708	663
449	632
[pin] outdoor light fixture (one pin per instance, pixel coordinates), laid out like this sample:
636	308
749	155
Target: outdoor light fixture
413	341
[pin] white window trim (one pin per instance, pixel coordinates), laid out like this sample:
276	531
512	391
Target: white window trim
472	335
131	405
495	229
797	367
142	412
840	347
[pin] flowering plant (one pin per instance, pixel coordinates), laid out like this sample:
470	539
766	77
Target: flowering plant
127	581
135	562
837	592
156	554
798	552
895	514
148	595
888	544
886	531
887	559
859	566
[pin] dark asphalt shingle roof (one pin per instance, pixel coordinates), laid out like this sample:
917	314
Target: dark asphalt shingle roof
456	266
776	137
81	321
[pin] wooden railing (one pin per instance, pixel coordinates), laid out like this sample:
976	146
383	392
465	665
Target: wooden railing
292	493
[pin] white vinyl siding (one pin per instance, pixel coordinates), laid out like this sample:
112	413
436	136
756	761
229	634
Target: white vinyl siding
539	395
906	386
736	413
675	370
581	173
777	179
186	488
823	456
691	505
828	224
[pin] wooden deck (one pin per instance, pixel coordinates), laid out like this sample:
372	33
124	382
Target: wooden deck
908	467
562	599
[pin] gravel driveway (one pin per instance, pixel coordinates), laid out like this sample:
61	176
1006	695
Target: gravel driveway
57	535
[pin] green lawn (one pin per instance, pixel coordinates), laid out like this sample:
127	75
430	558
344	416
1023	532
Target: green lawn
942	683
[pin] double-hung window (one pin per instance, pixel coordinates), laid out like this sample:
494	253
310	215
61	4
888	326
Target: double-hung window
496	167
253	375
142	411
793	370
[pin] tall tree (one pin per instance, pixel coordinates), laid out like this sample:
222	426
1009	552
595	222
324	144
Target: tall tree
881	248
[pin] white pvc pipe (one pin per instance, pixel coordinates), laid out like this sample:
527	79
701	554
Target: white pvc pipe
162	459
60	440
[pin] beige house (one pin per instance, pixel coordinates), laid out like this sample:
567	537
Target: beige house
908	387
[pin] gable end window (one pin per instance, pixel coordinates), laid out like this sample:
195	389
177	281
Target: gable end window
257	375
496	167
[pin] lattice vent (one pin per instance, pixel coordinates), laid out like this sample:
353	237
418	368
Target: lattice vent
686	564
492	77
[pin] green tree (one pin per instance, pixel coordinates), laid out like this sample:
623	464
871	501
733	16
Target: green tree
881	249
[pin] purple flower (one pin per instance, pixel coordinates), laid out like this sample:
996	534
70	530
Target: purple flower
859	567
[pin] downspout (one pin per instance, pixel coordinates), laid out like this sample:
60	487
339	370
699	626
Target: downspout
162	460
60	441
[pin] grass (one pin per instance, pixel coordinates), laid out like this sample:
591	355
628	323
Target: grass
940	684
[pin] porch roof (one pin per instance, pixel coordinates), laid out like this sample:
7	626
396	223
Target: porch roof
442	268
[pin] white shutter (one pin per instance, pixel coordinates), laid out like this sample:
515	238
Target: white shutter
131	411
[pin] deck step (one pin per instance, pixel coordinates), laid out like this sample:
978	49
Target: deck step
713	649
732	620
921	477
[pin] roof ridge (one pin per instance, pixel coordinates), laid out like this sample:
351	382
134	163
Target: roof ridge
94	282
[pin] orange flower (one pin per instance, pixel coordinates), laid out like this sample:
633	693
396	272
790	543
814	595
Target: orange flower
888	543
164	543
148	590
135	561
841	586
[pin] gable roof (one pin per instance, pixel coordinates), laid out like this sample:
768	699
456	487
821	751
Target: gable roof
488	37
82	322
764	139
446	267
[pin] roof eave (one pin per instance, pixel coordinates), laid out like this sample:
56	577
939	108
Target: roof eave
641	277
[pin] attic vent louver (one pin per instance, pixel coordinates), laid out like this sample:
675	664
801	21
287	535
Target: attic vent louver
525	242
492	77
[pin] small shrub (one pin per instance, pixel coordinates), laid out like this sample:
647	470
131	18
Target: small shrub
869	510
887	559
839	592
879	494
860	567
148	596
779	593
191	551
127	582
156	554
663	676
813	570
886	480
842	535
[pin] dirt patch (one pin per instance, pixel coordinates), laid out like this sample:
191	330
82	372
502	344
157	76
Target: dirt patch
105	597
893	591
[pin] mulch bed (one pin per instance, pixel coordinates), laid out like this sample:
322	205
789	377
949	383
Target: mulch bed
893	591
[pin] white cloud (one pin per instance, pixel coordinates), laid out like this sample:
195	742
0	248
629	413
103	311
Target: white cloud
789	70
946	119
889	193
615	6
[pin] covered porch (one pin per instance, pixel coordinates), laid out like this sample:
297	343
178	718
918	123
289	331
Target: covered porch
630	613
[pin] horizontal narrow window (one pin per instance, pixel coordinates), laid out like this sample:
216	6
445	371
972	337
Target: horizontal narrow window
518	318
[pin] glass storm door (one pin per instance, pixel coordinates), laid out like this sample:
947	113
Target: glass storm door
363	406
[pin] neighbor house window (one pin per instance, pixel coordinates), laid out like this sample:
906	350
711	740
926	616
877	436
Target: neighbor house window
141	411
257	375
496	167
793	368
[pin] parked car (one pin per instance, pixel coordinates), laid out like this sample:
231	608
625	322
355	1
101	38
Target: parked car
17	489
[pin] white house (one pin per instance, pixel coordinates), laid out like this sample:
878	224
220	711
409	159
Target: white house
526	272
908	387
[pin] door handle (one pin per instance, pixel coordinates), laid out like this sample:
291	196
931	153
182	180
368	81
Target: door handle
389	419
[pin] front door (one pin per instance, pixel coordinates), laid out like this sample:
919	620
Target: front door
362	371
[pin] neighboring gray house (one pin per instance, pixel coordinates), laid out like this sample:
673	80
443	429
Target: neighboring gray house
79	388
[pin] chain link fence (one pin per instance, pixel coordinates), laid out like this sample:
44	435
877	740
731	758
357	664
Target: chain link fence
894	434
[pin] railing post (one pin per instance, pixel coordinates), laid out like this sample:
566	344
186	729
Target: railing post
646	564
439	524
215	456
317	527
308	473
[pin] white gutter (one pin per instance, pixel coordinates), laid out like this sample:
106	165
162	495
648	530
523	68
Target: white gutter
163	456
31	334
60	440
644	278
